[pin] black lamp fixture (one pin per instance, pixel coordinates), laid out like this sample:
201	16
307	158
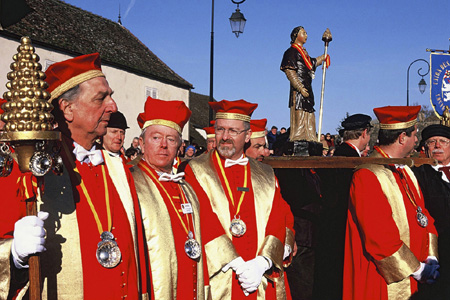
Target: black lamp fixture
422	86
237	19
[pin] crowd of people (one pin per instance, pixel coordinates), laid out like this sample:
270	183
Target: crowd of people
146	224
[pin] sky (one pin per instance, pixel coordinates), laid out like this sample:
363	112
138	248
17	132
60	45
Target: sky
373	44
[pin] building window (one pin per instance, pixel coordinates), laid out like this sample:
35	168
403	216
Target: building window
48	63
151	92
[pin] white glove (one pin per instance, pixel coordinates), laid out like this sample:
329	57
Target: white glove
234	264
29	238
287	251
251	272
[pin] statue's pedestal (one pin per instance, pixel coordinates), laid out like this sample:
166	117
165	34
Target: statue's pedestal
307	148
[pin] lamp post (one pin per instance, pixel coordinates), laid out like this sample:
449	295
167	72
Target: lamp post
422	83
237	22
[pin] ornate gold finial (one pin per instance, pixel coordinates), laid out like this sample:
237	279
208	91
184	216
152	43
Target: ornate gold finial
27	108
326	37
27	114
445	118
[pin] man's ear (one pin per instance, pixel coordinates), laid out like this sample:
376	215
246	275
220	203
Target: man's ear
401	138
142	143
248	134
66	108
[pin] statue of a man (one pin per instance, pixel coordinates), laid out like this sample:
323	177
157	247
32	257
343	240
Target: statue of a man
299	69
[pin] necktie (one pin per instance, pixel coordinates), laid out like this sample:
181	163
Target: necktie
171	177
92	156
240	161
446	171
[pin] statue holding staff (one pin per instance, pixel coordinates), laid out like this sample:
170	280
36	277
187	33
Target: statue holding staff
299	68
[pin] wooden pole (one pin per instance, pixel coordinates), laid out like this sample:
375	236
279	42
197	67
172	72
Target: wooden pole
292	162
34	271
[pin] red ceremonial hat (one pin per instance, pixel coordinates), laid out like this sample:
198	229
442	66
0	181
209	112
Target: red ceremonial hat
2	101
210	132
258	128
233	110
173	114
64	75
397	117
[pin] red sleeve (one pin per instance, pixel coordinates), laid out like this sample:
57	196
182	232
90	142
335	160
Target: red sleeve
378	231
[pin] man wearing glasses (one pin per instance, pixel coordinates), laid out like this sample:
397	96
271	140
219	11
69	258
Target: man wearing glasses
435	185
246	252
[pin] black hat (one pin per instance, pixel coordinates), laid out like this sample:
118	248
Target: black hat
354	122
435	130
117	120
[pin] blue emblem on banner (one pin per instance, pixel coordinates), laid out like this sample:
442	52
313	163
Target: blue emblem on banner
440	82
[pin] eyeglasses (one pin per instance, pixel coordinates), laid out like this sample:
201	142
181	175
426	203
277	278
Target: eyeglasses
231	132
442	142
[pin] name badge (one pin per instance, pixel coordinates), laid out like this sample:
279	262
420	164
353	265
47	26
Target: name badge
186	208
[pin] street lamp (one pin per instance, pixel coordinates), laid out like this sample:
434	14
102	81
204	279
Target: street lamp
237	20
422	83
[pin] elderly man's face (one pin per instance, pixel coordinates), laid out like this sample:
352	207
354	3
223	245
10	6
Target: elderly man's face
257	149
90	111
210	144
438	148
113	139
135	143
231	137
160	145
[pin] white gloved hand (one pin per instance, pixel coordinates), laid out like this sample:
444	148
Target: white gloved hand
287	251
234	264
29	238
251	272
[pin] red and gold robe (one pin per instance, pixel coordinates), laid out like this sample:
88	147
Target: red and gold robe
266	225
384	242
69	266
174	274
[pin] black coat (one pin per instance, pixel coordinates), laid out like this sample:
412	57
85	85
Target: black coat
436	194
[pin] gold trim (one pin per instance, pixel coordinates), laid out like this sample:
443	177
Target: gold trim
219	252
5	267
399	290
232	116
433	248
258	134
398	266
62	274
273	249
211	136
289	240
401	125
167	123
73	82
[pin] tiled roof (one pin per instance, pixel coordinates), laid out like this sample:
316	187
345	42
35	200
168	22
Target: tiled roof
63	27
198	104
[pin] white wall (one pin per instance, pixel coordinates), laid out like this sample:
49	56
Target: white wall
129	88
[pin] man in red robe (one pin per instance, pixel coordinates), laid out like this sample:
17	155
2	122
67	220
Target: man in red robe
391	242
170	209
245	255
90	240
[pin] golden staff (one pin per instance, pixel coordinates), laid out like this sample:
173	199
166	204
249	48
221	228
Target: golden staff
327	38
28	130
